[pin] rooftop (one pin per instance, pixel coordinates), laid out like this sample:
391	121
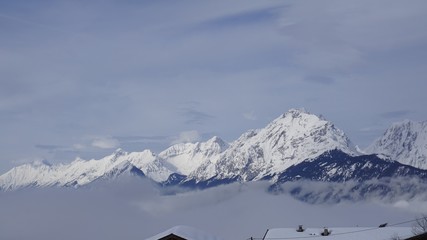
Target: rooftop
185	232
343	233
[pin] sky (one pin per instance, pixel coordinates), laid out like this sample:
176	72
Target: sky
83	78
135	210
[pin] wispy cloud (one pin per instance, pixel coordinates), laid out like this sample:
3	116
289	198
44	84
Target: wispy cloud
194	116
141	139
323	80
49	147
105	142
396	114
250	116
55	150
239	19
21	161
187	136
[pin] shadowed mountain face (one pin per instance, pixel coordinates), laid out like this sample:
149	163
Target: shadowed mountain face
337	166
332	166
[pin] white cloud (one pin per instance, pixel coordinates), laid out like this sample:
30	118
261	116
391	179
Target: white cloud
24	160
105	143
250	116
187	136
79	146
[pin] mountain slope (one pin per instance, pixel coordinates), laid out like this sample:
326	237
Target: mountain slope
176	160
405	142
184	158
290	139
335	176
337	166
81	172
296	145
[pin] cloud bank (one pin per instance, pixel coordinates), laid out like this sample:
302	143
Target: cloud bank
133	209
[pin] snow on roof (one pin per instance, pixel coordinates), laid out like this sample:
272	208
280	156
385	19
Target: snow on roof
186	232
345	233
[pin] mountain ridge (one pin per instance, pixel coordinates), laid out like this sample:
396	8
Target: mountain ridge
295	138
289	139
404	141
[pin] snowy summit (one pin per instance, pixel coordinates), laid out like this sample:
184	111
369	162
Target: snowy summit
288	140
405	142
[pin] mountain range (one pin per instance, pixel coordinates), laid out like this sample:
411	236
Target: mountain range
296	145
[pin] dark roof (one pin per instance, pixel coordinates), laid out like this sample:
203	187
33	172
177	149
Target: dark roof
421	236
172	237
183	233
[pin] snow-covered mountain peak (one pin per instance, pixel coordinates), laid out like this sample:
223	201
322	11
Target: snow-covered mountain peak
404	141
299	114
300	124
299	118
184	158
404	125
249	134
295	112
214	145
119	152
216	142
289	139
293	138
81	172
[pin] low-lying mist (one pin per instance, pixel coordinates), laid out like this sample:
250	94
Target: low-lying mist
397	190
135	209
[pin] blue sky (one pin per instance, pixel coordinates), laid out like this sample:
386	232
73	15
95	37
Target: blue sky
80	78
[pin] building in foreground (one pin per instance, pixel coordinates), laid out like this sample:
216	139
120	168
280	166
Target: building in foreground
183	233
339	233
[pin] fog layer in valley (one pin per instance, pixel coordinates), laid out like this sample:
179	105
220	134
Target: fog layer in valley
131	209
